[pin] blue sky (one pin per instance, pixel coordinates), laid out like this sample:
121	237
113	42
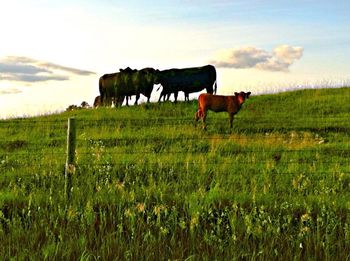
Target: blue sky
53	52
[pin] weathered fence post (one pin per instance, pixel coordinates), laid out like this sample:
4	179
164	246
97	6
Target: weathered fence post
70	167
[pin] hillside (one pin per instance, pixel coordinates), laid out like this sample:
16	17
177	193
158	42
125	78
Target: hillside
150	184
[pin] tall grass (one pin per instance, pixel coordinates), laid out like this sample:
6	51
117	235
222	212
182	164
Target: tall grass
149	184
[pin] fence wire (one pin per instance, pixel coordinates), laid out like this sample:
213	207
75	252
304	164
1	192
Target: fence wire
23	149
116	120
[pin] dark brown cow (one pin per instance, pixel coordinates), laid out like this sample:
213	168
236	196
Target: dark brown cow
106	88
220	103
97	101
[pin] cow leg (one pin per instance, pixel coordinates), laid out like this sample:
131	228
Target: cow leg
121	100
204	117
104	101
175	95
161	95
201	114
231	120
197	115
118	101
137	98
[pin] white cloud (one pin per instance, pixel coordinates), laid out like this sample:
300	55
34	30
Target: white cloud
288	53
25	69
10	91
280	59
245	57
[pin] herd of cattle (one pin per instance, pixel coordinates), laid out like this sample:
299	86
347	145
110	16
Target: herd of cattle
116	87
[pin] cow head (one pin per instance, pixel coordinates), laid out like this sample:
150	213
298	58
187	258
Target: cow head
245	95
241	97
151	75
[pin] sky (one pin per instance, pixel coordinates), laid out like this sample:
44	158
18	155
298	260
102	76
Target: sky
52	53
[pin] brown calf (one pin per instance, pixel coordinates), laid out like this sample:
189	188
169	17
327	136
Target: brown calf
97	101
219	103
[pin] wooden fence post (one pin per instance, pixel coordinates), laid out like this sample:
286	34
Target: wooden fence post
70	167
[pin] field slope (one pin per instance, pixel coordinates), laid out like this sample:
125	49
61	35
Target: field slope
149	184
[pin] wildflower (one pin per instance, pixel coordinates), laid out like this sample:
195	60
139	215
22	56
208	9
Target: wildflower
71	213
140	207
128	213
164	231
119	185
182	224
194	221
158	209
305	217
70	168
305	230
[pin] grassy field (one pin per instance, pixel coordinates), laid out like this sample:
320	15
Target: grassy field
150	185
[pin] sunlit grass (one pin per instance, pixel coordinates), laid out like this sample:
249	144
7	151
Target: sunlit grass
148	184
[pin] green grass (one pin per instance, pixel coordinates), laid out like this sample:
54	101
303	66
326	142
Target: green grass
149	184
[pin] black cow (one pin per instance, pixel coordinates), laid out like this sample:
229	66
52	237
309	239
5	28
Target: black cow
127	82
187	80
135	82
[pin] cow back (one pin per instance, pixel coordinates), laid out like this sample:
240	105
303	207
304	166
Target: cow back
189	79
217	103
132	82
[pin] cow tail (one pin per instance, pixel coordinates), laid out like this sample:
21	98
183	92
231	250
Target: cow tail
215	87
